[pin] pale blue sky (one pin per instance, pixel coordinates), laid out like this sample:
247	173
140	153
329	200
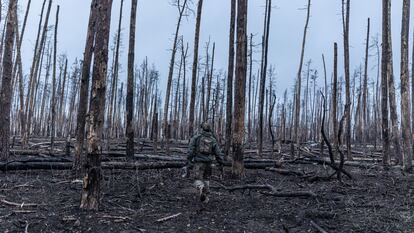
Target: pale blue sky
157	19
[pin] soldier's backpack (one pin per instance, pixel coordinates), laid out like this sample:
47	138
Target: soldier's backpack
205	145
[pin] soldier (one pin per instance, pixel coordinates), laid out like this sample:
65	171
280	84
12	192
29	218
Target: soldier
203	149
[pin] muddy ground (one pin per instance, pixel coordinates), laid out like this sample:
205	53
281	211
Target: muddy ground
376	200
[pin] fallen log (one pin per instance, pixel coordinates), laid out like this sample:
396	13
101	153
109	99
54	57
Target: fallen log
23	165
285	171
15	166
273	190
324	162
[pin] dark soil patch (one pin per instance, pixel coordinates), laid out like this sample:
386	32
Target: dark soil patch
133	201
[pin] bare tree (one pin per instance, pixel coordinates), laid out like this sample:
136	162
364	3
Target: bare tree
130	91
90	198
365	87
181	10
395	131
194	70
115	74
18	67
299	83
34	71
84	88
384	84
345	23
263	73
6	91
53	122
405	99
230	74
335	96
240	88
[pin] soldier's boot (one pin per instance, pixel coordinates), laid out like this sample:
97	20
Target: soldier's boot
206	190
200	187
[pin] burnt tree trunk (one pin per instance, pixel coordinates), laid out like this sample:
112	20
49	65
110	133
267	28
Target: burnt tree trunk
365	89
230	74
90	198
405	99
115	73
335	96
170	74
6	91
395	134
240	89
130	87
34	72
265	47
384	84
299	85
53	102
345	18
84	86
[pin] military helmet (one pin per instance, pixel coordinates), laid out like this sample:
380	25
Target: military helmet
205	126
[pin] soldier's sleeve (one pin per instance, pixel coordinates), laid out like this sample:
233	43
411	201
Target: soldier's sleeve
192	149
218	153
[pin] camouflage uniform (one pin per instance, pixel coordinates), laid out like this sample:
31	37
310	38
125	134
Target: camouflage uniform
203	149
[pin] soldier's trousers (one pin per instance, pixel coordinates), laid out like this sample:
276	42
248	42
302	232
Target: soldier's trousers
202	172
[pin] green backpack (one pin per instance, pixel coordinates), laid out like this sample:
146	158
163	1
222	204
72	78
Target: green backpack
205	145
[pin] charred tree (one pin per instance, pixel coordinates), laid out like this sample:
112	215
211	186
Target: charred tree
53	102
194	69
365	88
265	48
240	88
182	9
405	99
345	18
90	198
34	71
6	91
395	131
384	84
115	74
130	88
230	74
84	85
299	85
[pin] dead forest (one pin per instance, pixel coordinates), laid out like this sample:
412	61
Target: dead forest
86	148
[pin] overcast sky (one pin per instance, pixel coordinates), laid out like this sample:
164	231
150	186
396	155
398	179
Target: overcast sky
157	19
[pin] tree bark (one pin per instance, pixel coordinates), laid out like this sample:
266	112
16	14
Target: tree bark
90	198
114	85
384	84
395	131
345	18
170	74
130	88
335	97
299	84
365	88
230	74
263	74
34	72
84	86
405	99
53	102
6	91
194	70
240	89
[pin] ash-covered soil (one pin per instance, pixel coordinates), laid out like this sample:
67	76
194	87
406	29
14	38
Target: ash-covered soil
376	200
